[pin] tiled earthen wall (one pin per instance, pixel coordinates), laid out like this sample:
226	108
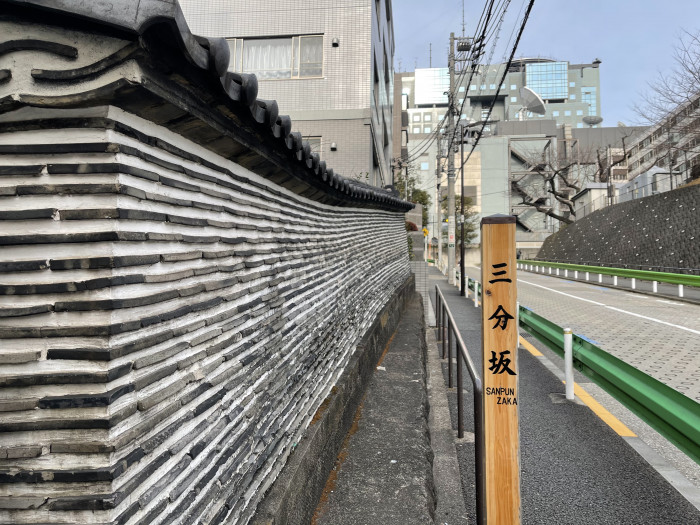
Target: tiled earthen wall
169	326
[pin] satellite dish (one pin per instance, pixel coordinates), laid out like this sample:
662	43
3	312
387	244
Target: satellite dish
532	101
592	120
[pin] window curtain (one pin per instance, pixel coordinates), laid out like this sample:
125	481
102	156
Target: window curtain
311	56
268	58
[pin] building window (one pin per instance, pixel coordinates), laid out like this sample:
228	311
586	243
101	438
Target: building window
278	58
416	117
588	96
572	84
579	125
461	88
472	88
427	129
513	87
572	97
492	86
416	129
548	79
484	114
427	117
567	113
483	86
424	166
555	113
513	99
579	112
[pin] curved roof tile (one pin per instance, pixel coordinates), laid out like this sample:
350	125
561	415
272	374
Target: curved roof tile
213	55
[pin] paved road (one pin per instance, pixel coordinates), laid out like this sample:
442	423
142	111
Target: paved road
659	336
575	468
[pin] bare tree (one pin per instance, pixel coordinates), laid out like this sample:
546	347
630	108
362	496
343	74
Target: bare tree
674	89
672	105
550	177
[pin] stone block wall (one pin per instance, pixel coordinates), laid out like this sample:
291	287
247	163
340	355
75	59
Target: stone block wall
660	232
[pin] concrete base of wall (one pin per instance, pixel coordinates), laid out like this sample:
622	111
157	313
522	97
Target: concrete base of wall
294	496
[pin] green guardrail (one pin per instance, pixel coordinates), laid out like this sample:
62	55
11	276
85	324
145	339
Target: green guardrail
672	414
642	275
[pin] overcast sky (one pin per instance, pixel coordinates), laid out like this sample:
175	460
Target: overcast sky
633	38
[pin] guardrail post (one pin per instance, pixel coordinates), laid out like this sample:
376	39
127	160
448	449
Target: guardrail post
614	280
575	274
476	293
566	272
680	290
654	286
449	353
600	277
437	313
557	272
550	270
588	276
634	283
442	330
460	401
569	363
466	288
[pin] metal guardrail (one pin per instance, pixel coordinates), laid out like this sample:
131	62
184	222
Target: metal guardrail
448	331
686	279
672	414
650	267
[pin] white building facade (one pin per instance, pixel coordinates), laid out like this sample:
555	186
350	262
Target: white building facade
329	68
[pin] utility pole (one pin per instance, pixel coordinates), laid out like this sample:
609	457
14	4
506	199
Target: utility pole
451	165
462	280
438	203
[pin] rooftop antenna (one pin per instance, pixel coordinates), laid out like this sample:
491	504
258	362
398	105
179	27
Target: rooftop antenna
592	120
462	17
430	55
532	102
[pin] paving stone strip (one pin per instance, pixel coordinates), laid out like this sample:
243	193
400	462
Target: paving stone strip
384	471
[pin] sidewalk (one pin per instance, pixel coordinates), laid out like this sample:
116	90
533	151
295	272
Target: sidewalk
383	474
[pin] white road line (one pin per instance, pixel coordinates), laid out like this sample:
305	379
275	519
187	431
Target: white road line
670	302
616	309
655	320
562	293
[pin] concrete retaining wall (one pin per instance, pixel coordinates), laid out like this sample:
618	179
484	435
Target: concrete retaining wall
658	231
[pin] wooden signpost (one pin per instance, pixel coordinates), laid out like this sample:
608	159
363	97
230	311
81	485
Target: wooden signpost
500	371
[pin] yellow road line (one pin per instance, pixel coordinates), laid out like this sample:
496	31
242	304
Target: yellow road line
525	344
618	426
614	423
